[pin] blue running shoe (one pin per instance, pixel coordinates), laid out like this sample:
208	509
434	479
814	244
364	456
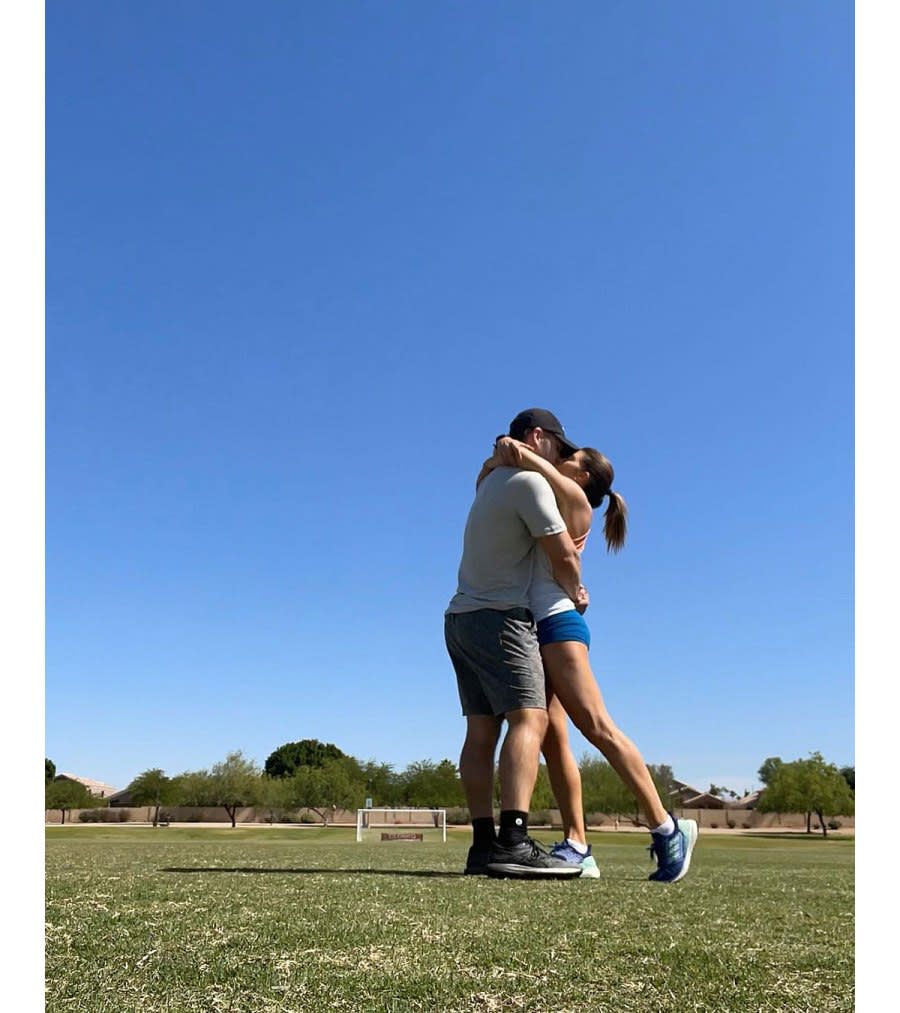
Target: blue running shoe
567	853
673	853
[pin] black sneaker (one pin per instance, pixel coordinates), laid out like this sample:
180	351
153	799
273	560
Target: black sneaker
528	860
476	862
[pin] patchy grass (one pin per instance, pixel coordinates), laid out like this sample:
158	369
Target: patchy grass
258	920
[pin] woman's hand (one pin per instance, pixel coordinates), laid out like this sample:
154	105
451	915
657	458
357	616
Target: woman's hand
509	451
582	600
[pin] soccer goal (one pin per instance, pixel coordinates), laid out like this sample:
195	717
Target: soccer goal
401	825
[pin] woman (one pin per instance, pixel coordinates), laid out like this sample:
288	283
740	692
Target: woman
580	483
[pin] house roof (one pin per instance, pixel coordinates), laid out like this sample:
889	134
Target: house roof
98	788
748	801
683	790
704	800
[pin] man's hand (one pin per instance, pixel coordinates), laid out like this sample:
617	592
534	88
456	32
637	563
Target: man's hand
582	599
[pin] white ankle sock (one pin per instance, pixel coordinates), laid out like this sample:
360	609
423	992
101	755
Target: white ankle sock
582	849
666	829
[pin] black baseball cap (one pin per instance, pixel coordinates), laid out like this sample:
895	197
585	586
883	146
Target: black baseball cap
534	418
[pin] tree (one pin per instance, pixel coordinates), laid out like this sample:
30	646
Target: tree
849	775
276	797
432	785
768	769
602	789
65	795
663	780
542	797
336	785
152	788
235	782
808	786
720	791
382	783
305	753
49	771
193	788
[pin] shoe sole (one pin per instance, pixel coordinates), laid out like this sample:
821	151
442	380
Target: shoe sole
510	870
691	832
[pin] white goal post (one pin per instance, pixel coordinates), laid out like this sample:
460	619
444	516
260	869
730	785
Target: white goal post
401	824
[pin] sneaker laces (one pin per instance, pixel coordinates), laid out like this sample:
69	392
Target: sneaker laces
537	848
660	851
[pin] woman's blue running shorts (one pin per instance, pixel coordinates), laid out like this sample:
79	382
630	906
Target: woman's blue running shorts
562	627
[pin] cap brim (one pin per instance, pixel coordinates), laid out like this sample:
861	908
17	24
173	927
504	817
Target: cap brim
568	446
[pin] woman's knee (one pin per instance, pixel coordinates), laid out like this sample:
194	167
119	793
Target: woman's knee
599	730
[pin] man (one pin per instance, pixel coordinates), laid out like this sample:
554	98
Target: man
492	642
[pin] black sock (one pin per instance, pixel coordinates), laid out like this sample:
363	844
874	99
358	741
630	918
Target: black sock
483	833
513	827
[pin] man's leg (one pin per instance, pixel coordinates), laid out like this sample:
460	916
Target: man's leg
476	771
499	673
476	761
520	757
515	853
476	764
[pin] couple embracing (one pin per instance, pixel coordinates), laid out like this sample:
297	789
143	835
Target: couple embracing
518	641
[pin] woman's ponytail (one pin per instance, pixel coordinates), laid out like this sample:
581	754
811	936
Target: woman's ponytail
615	522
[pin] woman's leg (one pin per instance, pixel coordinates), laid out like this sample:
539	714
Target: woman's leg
565	778
569	672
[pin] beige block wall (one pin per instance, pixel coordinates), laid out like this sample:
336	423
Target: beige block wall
742	818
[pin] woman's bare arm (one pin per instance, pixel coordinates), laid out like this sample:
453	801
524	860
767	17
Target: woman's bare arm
570	497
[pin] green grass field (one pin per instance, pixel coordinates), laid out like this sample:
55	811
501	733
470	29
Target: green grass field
260	919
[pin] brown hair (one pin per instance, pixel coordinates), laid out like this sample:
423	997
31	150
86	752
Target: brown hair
600	479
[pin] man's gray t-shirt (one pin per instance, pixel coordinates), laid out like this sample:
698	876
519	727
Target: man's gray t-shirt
512	508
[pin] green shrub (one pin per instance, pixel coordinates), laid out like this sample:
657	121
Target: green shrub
834	824
731	824
458	816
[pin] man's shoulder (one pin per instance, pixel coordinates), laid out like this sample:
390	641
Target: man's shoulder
515	477
530	480
516	484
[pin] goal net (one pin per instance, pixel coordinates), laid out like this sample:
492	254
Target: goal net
401	825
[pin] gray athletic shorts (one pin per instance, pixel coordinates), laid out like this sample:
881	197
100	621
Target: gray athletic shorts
497	660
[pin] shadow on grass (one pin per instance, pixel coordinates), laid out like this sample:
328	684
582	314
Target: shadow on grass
419	873
787	835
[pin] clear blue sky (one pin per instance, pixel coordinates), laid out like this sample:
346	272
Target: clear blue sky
304	262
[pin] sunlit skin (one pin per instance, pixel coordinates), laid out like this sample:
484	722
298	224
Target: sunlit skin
572	687
520	752
572	468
